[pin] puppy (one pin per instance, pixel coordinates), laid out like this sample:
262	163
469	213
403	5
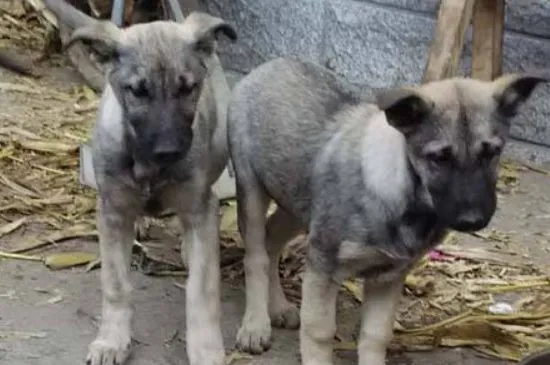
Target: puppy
160	141
376	182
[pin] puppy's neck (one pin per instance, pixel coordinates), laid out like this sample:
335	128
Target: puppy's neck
144	173
385	163
389	174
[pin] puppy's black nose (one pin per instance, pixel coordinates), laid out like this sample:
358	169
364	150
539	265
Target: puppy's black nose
470	222
167	156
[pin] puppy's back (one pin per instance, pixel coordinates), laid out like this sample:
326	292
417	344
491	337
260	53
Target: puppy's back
297	84
286	96
280	117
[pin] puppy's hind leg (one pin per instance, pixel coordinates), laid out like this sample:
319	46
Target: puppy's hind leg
116	216
281	227
254	336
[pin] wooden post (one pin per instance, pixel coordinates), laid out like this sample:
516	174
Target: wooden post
453	19
488	23
188	6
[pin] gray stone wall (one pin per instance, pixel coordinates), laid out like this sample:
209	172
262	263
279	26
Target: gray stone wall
380	43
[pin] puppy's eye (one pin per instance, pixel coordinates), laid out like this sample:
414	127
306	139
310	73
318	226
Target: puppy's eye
138	90
186	89
187	84
439	157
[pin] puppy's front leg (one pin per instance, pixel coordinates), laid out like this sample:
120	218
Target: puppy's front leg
204	337
317	317
116	216
380	304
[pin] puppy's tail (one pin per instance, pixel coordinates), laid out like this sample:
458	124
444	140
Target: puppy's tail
68	14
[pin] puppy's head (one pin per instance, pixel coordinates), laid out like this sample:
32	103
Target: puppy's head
455	131
157	71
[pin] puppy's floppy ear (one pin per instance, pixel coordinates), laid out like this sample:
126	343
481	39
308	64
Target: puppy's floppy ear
103	37
203	30
405	108
513	90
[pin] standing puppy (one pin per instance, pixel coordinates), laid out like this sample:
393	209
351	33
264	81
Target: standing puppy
376	183
160	140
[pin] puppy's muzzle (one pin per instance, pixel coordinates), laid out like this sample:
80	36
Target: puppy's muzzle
470	222
167	155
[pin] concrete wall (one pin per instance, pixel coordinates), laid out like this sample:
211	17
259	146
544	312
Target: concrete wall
380	43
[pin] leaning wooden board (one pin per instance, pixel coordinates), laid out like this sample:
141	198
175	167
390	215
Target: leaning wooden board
488	23
454	18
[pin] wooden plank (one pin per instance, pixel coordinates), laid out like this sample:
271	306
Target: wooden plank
488	23
453	19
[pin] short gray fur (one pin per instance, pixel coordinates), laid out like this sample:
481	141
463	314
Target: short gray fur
376	182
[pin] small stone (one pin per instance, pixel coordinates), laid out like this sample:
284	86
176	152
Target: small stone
500	308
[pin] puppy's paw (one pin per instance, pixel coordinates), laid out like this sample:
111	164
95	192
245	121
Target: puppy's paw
198	356
254	338
109	351
374	357
205	347
287	317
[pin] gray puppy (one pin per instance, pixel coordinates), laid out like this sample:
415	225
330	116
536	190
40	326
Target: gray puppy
160	140
375	182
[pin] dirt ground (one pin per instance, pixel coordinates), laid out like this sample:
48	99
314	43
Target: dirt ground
49	317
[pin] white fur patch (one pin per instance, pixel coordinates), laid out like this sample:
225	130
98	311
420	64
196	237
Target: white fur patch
385	160
110	115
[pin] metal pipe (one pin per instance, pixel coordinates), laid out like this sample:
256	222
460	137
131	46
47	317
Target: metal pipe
117	12
175	10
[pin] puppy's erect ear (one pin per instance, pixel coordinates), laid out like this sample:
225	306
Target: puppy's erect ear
203	30
405	108
513	90
103	37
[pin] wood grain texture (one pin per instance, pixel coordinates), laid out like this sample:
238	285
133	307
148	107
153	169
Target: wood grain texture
453	19
488	24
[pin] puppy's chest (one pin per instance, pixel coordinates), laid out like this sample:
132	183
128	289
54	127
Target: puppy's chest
153	185
152	197
383	248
